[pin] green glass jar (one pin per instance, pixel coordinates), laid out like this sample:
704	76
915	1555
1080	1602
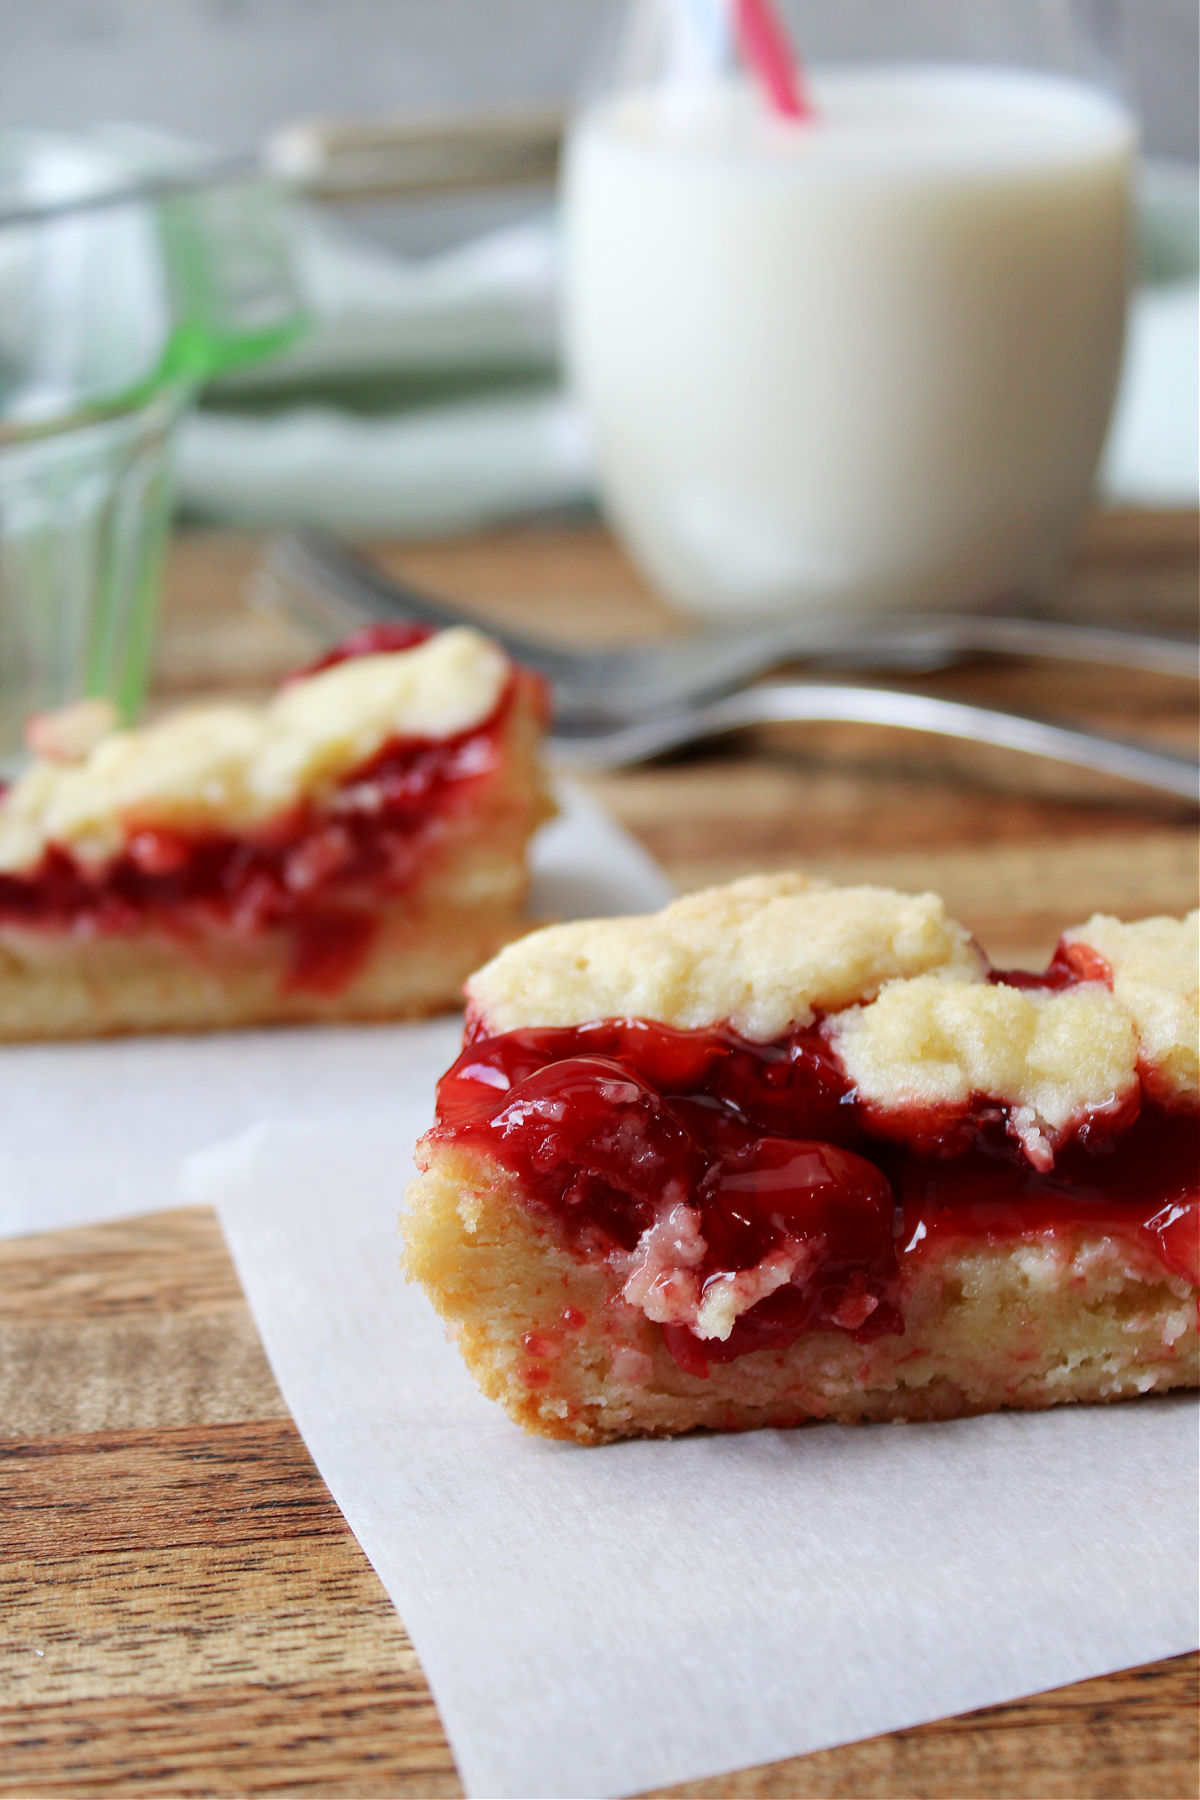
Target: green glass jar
113	311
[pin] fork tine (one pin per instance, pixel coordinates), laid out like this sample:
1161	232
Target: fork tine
623	745
600	687
317	561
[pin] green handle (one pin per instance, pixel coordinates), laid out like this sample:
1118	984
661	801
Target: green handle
230	257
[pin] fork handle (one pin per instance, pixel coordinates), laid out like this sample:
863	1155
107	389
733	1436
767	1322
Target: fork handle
309	567
793	703
1057	640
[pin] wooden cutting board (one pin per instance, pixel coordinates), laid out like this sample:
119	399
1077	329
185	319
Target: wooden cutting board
184	1609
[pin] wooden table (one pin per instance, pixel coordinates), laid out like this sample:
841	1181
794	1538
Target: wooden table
185	1610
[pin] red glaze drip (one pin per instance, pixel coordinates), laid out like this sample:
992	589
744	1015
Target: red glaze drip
605	1123
306	872
1141	1184
1070	965
368	640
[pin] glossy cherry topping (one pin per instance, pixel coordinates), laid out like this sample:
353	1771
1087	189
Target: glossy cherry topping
1070	964
368	640
315	873
611	1125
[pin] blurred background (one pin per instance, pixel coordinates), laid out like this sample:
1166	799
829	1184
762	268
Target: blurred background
427	397
230	71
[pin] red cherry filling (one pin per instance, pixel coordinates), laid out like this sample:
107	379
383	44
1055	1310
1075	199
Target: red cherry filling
368	640
618	1165
795	1086
1070	964
316	874
598	1147
834	1204
694	1158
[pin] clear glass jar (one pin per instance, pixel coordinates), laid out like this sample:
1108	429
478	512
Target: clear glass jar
111	314
865	360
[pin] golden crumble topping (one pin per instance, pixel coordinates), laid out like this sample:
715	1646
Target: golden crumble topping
231	767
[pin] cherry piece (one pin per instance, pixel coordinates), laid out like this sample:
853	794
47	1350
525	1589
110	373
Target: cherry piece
612	1124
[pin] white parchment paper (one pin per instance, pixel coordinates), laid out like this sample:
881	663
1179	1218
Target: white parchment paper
601	1621
96	1131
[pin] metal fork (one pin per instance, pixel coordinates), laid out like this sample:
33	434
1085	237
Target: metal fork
622	744
618	707
639	681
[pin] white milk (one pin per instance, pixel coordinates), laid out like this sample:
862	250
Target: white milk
866	363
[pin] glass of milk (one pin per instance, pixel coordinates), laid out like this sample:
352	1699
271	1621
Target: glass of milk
862	362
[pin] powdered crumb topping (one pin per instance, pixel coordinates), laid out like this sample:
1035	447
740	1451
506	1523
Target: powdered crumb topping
766	955
1154	965
1051	1057
903	989
229	768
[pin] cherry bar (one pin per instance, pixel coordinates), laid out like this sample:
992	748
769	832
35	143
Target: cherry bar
298	873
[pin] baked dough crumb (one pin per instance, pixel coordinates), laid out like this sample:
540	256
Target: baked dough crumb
1155	967
935	1044
764	954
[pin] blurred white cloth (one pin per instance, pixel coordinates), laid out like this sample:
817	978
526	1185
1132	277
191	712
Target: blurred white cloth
427	398
482	307
424	398
448	468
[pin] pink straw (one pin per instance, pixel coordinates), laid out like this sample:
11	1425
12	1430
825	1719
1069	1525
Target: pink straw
765	45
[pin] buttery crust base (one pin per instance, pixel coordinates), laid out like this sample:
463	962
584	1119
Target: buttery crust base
1030	1325
152	982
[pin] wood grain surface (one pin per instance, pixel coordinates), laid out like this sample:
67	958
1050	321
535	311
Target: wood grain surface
185	1611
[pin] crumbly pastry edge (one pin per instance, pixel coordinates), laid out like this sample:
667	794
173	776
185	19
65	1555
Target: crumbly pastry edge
903	988
414	966
1154	964
762	955
230	767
